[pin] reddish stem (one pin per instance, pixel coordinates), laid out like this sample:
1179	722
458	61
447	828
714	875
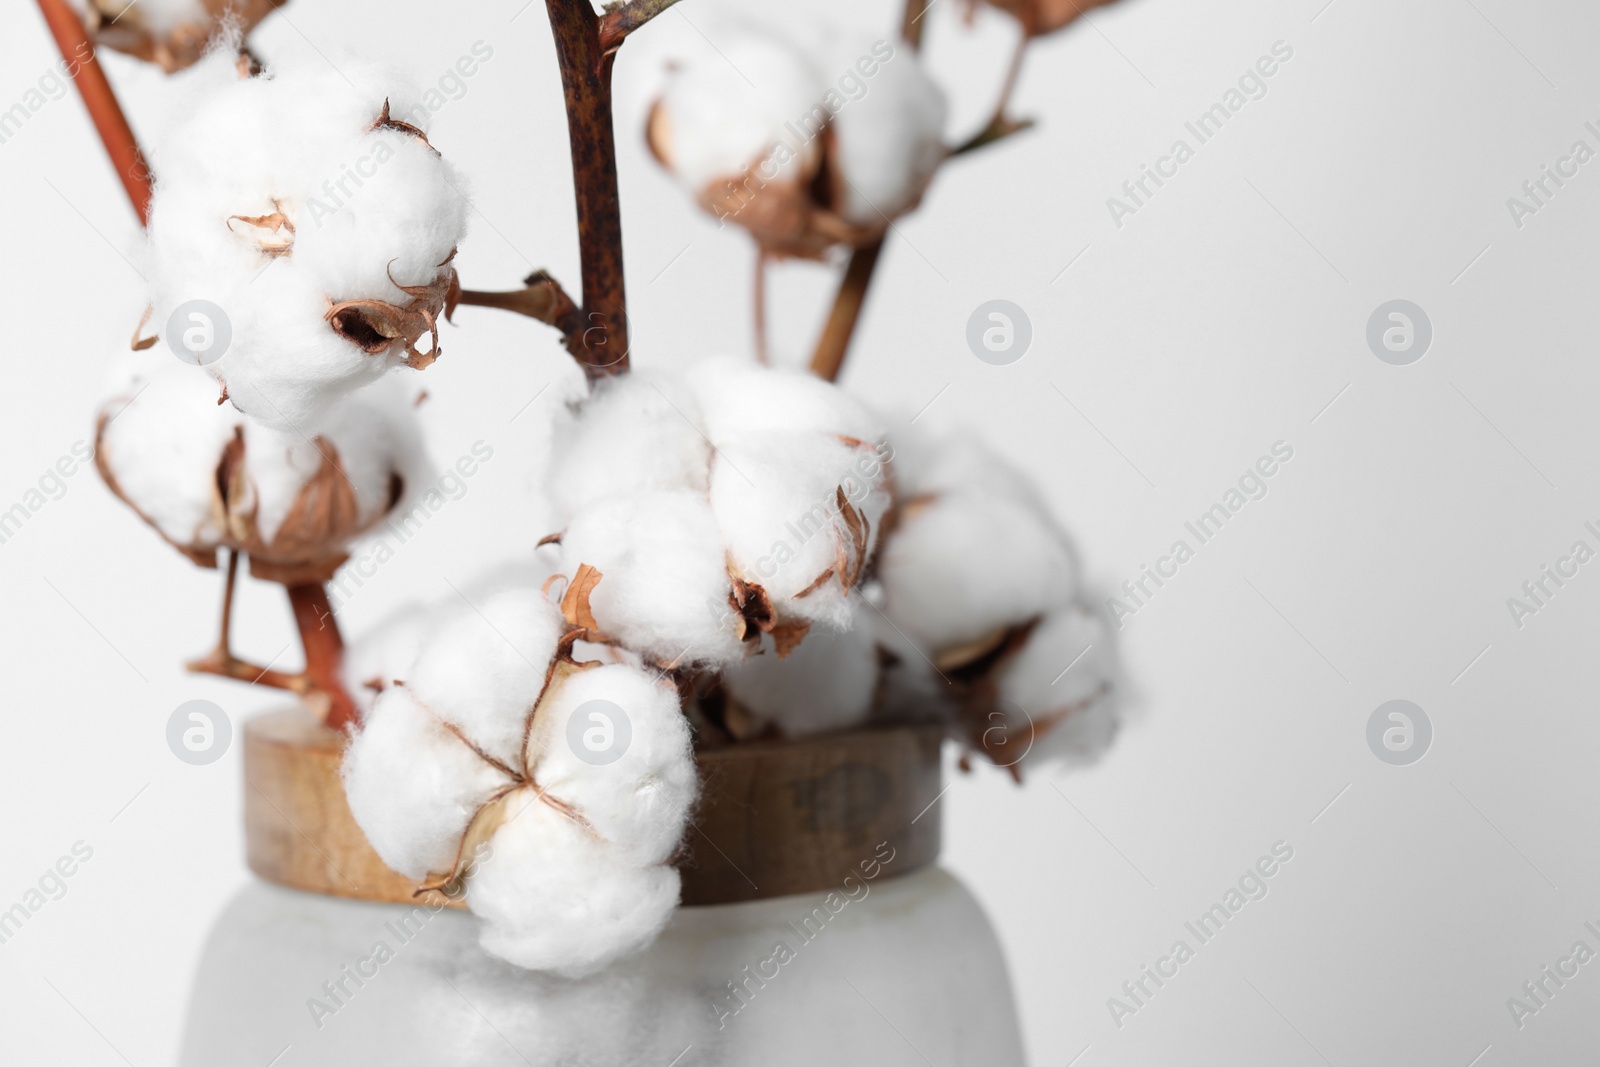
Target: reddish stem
586	83
324	650
83	67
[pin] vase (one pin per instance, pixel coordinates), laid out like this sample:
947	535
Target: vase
817	929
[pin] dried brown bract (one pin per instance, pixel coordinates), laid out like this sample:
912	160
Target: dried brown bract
375	325
122	26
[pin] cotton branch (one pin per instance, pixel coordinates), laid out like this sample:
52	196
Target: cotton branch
541	297
622	19
585	60
83	67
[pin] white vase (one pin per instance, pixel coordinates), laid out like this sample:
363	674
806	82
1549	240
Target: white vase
908	972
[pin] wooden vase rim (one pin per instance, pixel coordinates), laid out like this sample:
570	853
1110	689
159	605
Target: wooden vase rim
774	818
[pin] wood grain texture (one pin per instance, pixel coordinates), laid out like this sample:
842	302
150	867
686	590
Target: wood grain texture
774	818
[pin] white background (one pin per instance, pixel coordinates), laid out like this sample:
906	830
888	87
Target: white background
1226	315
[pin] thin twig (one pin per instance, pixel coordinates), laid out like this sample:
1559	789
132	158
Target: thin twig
80	63
622	19
541	297
759	299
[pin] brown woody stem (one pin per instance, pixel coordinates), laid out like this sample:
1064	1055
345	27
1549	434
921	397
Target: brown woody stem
81	64
602	344
324	650
828	357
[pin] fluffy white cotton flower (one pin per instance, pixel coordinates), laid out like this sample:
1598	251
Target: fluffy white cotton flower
413	786
309	213
612	742
664	588
713	121
554	790
485	664
757	513
1062	679
886	144
833	141
974	552
554	897
828	683
206	477
635	433
800	515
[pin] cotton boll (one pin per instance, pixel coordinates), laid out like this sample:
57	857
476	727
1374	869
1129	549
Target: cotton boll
961	566
720	116
740	397
413	786
554	896
158	445
637	432
814	157
638	801
929	462
307	207
776	499
887	143
207	477
484	666
828	683
1061	679
665	586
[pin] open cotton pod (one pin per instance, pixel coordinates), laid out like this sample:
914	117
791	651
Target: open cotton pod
206	477
301	234
982	586
729	503
169	33
1044	16
827	146
552	791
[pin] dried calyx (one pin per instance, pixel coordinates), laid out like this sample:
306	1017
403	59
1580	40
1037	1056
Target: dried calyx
376	325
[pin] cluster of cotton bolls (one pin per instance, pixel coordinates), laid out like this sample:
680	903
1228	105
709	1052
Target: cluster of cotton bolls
170	33
553	788
832	142
974	613
305	213
207	477
731	509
